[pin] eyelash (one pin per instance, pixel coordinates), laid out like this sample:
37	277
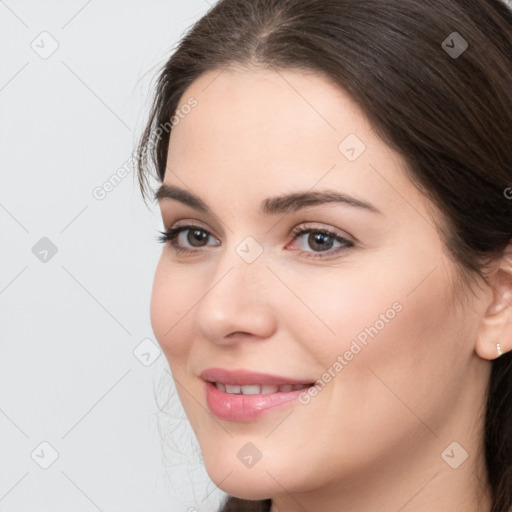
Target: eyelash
171	234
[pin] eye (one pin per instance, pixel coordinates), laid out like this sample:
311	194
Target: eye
321	240
189	239
196	237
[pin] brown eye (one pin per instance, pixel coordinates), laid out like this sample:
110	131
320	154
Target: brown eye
195	237
320	240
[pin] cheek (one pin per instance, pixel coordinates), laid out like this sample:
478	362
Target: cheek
171	299
393	322
410	360
339	310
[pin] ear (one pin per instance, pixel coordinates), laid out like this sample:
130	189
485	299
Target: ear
496	324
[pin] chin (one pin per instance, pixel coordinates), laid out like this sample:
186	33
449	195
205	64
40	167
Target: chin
245	483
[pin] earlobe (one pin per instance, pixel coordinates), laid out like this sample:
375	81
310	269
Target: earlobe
495	335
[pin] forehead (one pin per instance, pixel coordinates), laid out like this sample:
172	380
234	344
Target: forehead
269	106
257	131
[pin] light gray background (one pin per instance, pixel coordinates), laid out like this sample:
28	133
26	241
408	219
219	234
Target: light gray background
69	325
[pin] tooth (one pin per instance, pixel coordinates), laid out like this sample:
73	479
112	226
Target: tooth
255	389
232	388
250	389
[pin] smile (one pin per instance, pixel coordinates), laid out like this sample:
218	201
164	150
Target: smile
258	389
244	396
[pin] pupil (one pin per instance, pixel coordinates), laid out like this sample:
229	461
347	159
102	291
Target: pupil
198	236
319	238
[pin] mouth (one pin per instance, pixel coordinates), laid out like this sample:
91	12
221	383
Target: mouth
258	389
251	383
243	396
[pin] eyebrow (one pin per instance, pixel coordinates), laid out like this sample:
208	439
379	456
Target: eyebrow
272	205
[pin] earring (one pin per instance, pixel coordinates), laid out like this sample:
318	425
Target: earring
498	346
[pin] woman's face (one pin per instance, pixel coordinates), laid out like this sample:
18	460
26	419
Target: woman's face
367	312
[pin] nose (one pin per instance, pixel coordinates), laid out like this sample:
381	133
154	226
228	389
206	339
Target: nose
237	302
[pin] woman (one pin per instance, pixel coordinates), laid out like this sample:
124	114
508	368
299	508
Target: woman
334	293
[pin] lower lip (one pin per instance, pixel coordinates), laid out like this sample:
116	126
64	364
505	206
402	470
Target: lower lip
239	407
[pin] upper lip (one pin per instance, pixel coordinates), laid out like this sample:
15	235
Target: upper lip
241	377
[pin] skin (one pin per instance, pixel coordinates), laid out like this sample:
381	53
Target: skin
373	437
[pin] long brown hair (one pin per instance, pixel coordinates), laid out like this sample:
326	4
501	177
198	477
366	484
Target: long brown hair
441	100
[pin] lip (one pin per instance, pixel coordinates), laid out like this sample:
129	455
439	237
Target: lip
246	408
241	377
